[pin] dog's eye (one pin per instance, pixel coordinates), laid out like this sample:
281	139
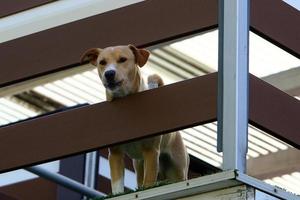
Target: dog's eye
122	59
102	62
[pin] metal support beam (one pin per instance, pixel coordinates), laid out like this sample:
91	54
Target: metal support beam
233	82
91	169
206	187
65	181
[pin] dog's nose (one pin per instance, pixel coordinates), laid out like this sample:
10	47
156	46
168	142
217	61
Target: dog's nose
110	75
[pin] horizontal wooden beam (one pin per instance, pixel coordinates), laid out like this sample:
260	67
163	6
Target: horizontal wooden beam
153	112
172	107
43	189
9	7
143	24
277	22
6	197
274	111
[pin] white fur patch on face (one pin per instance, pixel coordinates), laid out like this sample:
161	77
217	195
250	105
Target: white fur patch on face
118	186
110	67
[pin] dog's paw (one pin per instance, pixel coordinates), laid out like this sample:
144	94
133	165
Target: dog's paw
154	81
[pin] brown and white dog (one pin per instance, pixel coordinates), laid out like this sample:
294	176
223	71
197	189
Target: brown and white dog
157	158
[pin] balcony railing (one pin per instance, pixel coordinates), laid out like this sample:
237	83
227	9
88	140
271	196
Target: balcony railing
162	110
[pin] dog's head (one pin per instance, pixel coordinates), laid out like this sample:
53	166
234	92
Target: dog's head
117	66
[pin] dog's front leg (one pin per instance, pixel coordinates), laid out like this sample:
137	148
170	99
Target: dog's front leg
139	171
151	164
116	164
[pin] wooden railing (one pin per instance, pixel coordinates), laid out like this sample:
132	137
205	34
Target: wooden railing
173	107
143	24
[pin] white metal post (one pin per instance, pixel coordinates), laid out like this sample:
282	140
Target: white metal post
233	83
91	170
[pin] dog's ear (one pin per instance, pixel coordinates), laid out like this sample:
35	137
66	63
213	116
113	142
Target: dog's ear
141	55
91	56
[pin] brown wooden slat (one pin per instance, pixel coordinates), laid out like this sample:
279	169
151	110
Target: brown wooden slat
6	197
142	24
274	111
9	7
103	184
172	107
35	189
277	22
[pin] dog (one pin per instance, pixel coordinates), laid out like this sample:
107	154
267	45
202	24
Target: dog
162	158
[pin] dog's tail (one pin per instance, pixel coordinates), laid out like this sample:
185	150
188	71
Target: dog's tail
155	81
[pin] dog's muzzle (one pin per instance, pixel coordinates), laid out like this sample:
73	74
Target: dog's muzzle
111	83
110	75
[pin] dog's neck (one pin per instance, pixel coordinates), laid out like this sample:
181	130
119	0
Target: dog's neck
136	85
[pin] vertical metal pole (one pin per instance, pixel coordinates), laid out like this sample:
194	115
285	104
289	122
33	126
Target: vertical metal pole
233	83
220	77
91	170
